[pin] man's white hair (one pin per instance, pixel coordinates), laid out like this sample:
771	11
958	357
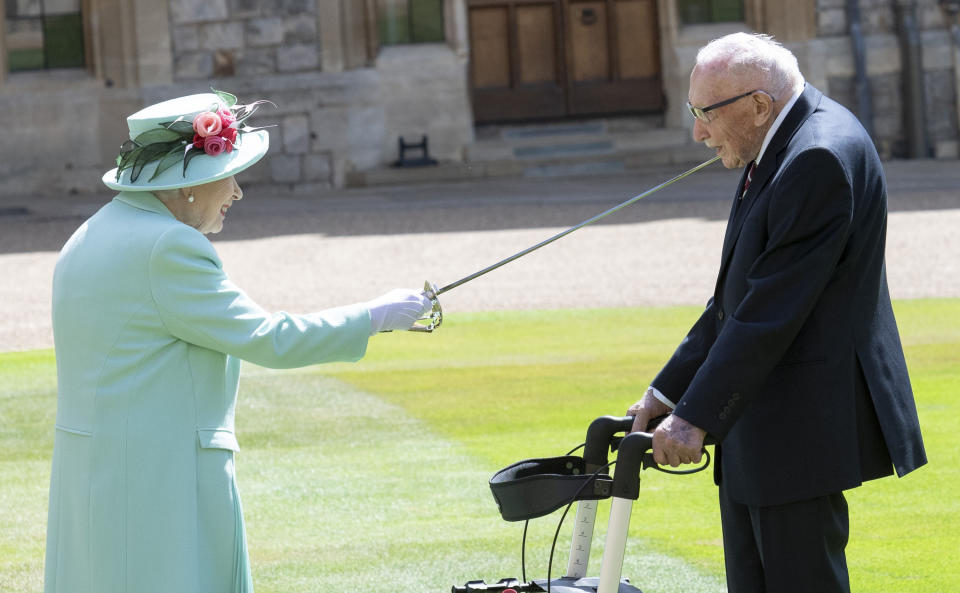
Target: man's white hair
755	56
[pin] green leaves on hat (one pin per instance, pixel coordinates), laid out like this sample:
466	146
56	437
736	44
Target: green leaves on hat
157	135
170	159
228	99
181	126
167	143
180	140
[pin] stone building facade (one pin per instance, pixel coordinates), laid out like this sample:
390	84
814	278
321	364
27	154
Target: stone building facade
888	28
343	97
341	100
900	40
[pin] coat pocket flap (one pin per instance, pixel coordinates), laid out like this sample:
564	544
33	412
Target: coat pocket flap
218	439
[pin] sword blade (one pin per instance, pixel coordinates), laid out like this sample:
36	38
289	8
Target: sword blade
561	234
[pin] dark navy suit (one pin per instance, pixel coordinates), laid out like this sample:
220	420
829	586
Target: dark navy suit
796	365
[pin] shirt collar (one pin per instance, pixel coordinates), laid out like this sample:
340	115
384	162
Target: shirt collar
776	123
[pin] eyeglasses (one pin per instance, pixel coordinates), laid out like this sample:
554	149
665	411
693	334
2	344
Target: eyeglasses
701	112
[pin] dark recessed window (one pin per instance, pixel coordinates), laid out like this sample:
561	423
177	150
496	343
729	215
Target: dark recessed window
42	34
710	11
410	21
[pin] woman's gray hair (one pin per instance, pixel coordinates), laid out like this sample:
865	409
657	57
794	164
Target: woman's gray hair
755	56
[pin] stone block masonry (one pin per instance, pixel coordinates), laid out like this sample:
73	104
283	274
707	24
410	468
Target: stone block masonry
283	33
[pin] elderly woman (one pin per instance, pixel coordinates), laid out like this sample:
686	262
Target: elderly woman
149	334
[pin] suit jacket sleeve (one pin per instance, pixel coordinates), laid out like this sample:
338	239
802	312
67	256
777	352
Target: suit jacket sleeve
672	381
200	305
808	221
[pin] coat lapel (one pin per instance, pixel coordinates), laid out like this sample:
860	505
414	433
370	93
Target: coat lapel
773	158
734	209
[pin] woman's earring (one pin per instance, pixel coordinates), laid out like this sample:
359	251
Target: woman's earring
190	199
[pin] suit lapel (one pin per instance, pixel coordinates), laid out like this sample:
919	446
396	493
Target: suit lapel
734	209
773	158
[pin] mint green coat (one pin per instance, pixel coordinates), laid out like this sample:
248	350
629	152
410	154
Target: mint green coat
149	334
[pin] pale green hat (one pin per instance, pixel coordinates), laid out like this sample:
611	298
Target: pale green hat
161	138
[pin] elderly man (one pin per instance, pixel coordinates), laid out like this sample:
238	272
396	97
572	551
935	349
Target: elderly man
795	366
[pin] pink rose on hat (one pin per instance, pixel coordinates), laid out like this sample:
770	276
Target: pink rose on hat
227	117
216	131
230	135
207	123
214	145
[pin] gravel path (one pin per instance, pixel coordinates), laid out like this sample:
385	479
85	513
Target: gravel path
301	253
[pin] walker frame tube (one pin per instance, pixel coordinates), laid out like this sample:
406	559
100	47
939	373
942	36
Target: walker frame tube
599	435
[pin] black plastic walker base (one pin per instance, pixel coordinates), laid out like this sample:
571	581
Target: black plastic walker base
562	585
536	487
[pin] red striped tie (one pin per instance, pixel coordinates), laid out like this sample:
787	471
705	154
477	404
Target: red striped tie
746	184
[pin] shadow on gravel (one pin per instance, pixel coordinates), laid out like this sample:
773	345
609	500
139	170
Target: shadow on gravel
44	224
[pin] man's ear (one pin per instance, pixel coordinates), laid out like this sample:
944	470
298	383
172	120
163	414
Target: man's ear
762	108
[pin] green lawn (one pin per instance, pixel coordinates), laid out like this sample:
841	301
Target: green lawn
374	474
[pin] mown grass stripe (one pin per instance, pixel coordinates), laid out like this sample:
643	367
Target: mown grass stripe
366	495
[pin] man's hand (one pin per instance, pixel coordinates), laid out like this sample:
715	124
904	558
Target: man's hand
677	441
648	407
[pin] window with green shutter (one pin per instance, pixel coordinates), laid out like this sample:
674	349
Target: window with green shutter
410	21
710	11
43	34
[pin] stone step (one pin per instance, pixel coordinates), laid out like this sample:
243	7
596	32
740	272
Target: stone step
591	126
552	150
617	161
579	145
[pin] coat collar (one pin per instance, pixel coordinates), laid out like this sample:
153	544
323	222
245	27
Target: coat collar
806	104
144	200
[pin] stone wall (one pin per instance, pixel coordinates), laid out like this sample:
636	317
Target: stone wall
61	133
222	38
328	125
885	71
341	103
328	122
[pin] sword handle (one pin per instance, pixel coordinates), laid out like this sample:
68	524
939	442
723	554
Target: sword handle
435	317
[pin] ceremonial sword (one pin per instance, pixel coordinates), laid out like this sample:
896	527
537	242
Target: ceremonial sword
435	318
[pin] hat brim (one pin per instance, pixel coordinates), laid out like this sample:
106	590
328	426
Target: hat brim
202	168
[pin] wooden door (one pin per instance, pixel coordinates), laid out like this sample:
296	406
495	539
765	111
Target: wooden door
549	59
517	60
614	58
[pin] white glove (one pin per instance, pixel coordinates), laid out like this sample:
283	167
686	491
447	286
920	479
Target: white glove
398	309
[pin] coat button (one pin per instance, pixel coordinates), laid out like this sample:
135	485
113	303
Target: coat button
723	416
720	315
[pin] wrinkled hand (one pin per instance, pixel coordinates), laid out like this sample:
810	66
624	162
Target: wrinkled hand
398	309
677	441
648	407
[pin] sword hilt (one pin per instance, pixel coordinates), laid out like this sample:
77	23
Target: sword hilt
435	317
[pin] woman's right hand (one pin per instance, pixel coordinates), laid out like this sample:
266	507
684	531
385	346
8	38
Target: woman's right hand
398	309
